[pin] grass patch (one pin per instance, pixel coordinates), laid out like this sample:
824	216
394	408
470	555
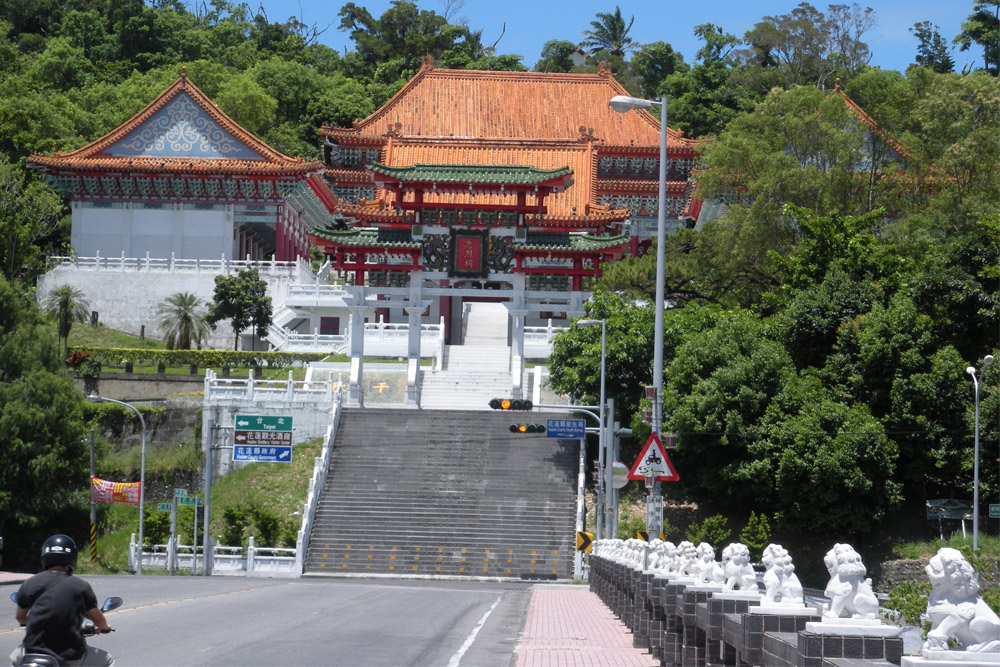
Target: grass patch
84	335
989	545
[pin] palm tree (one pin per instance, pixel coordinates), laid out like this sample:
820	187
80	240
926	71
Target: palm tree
67	305
181	321
610	34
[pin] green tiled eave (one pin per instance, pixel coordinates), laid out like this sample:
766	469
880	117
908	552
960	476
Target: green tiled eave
360	237
470	173
580	242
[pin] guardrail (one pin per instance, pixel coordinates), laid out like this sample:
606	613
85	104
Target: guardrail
298	269
250	388
538	340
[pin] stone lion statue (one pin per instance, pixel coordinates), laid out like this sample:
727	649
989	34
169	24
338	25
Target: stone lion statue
706	569
850	593
687	559
663	556
955	608
737	568
780	582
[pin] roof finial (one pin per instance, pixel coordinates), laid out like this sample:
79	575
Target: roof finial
836	84
184	72
427	62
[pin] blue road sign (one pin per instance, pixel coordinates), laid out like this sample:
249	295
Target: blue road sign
271	454
565	429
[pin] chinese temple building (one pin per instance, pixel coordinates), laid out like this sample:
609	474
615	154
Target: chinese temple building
181	179
495	186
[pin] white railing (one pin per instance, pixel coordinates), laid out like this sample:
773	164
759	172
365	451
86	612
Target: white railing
538	340
298	269
305	294
251	389
321	467
249	561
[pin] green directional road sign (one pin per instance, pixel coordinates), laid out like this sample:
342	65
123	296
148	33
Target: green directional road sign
180	493
263	423
189	500
994	511
164	507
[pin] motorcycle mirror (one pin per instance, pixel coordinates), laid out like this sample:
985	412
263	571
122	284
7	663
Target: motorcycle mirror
13	598
111	603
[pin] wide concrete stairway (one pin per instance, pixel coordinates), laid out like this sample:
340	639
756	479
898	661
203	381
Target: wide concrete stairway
475	372
413	492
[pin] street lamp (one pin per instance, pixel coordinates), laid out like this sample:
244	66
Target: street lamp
602	440
971	370
623	104
94	398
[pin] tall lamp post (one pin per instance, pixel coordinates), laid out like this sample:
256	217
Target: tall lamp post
94	398
602	436
624	104
971	370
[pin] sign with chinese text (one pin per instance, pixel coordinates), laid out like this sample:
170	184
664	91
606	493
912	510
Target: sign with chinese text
262	438
565	429
114	492
468	253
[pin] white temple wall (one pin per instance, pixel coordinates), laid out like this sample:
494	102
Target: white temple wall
173	230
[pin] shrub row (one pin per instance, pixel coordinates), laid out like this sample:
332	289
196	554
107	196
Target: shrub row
202	358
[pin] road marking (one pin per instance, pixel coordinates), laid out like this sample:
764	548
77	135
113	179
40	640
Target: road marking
457	658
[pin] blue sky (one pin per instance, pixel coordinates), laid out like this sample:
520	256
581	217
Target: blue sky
531	23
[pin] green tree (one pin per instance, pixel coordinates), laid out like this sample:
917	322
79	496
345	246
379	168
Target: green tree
42	455
932	51
181	321
653	63
555	56
67	305
242	299
610	33
712	530
701	100
29	213
982	27
756	534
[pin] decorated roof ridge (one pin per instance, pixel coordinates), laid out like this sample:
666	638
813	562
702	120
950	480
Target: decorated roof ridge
612	184
359	236
160	165
377	120
471	173
579	241
863	116
94	149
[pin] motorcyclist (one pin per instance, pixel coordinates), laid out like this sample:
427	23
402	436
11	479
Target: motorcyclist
52	605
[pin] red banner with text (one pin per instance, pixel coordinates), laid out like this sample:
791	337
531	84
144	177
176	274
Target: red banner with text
469	252
114	492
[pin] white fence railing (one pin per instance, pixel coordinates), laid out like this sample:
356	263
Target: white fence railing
538	340
299	269
252	389
251	561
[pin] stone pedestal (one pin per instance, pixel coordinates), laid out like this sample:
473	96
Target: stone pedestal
771	618
950	659
719	650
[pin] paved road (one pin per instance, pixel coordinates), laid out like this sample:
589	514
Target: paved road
363	623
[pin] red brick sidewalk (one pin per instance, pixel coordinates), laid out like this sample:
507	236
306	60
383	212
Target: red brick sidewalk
569	626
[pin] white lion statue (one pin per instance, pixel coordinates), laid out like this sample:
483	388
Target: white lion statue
706	569
780	582
737	568
955	608
687	558
850	593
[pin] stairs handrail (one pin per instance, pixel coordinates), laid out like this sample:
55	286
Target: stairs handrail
321	468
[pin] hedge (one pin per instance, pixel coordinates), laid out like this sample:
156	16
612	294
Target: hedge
108	356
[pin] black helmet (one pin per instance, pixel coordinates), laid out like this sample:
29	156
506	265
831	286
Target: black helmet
59	550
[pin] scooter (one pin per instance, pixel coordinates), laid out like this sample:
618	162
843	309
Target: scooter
47	659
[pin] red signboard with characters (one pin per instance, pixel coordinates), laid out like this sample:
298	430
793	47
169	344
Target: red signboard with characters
114	492
468	253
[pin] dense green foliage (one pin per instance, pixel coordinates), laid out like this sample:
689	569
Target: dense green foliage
242	300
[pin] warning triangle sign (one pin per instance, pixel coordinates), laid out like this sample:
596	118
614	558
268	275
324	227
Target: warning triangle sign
654	461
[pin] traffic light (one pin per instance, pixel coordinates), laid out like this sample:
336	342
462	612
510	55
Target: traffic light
527	428
510	404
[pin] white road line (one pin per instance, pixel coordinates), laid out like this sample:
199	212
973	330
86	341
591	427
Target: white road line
457	658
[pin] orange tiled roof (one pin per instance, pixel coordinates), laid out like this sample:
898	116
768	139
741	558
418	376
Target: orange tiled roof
870	122
574	203
94	156
509	105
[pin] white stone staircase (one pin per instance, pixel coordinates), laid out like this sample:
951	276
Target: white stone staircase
475	372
